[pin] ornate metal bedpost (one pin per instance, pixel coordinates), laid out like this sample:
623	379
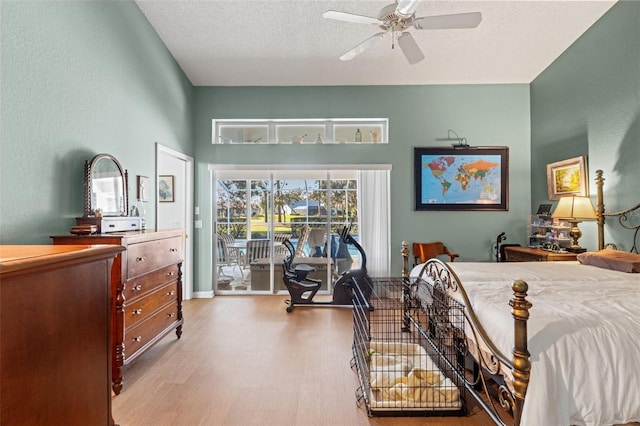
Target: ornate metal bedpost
600	208
406	306
405	259
521	365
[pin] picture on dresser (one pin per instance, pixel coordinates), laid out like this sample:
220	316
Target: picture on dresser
165	188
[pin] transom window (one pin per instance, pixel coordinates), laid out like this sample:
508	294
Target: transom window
301	131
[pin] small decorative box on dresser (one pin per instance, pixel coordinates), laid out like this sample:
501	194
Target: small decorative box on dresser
527	254
146	291
54	335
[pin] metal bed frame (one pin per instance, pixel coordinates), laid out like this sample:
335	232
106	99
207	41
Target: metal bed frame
491	361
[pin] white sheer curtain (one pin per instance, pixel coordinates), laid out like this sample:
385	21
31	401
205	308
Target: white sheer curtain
375	215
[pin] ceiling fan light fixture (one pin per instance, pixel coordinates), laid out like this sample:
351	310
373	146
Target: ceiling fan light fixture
406	8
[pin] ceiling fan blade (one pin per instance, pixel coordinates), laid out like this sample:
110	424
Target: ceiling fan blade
362	46
410	48
443	22
406	8
350	17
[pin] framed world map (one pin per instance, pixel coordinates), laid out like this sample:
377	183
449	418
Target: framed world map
469	178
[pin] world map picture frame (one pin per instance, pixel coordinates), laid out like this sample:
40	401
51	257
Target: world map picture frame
468	178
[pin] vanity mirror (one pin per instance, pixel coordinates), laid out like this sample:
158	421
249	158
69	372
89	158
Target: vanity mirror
105	185
106	196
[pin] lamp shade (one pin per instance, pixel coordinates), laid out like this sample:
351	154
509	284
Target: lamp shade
574	207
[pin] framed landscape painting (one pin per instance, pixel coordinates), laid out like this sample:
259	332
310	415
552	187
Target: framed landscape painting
461	178
567	177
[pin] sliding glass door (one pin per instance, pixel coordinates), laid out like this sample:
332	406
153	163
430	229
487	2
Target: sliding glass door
255	210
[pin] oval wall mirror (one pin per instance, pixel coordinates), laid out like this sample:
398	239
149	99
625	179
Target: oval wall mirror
106	187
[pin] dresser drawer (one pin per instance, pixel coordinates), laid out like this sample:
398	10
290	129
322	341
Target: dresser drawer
145	284
151	255
528	254
145	306
138	336
523	257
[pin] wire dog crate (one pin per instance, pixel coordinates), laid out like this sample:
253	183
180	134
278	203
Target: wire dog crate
406	356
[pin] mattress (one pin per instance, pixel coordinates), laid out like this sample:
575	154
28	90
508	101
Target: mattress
584	336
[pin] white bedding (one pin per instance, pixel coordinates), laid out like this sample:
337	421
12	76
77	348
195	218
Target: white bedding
584	337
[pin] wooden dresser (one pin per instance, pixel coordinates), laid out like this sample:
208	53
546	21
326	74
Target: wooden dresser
146	291
54	335
527	254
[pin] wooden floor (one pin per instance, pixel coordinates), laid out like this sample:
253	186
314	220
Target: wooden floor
242	360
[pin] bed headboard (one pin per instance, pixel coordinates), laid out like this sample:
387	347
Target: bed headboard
624	216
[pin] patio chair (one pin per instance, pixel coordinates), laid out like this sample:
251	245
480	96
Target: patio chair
316	242
279	239
304	235
257	249
234	253
224	257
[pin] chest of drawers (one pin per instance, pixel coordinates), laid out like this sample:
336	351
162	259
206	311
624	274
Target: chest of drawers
146	291
527	254
54	335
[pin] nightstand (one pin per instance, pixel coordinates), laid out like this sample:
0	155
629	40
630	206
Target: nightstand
527	254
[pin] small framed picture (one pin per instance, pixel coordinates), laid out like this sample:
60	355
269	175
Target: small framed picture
143	188
165	189
544	210
567	177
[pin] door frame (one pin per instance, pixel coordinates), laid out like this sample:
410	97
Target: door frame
187	281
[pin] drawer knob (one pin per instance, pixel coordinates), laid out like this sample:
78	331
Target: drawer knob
171	315
173	250
171	293
137	339
170	274
141	259
137	312
137	287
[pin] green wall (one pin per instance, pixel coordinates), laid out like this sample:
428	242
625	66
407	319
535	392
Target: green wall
80	78
588	103
484	114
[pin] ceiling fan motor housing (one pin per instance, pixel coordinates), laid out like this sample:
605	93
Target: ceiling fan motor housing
390	19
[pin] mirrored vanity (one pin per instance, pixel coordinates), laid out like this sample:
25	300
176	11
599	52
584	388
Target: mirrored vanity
106	198
146	280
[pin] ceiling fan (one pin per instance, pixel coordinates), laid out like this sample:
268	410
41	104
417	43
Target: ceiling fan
397	18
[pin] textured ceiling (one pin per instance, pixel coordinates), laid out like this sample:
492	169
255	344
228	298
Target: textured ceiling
289	43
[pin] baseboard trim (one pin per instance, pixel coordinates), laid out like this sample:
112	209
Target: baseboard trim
203	294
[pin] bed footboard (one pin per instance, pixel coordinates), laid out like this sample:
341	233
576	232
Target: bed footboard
489	360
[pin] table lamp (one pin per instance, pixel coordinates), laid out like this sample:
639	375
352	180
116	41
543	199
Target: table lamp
574	210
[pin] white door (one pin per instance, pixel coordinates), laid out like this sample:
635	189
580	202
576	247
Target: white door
177	213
